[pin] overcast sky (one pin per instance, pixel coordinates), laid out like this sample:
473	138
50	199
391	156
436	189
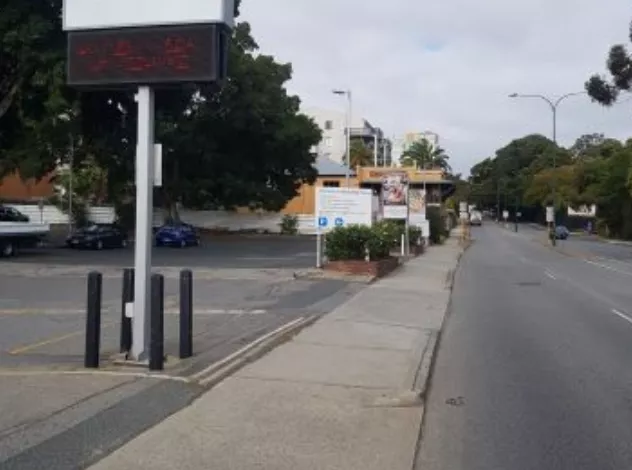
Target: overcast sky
448	66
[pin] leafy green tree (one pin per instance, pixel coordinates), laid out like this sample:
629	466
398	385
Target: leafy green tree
462	191
32	90
87	184
619	64
422	154
241	142
540	190
360	154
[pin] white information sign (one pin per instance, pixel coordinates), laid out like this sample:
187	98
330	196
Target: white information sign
550	215
340	207
108	14
505	215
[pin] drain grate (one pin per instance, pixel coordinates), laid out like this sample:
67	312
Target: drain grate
529	284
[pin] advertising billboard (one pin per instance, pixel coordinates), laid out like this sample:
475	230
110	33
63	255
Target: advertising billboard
395	195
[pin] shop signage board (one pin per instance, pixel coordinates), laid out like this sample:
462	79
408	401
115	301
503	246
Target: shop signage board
341	207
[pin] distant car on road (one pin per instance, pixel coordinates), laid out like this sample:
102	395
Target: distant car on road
177	235
98	237
476	218
561	232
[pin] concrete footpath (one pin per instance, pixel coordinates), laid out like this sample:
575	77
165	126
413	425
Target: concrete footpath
346	393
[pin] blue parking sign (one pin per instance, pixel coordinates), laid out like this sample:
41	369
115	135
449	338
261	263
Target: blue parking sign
322	222
339	222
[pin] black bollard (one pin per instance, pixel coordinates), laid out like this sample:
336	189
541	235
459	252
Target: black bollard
127	297
186	313
93	320
156	341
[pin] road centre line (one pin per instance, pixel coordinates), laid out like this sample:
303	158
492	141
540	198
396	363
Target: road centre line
608	267
621	315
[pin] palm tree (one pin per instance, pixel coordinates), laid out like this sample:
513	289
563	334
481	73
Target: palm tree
422	154
361	155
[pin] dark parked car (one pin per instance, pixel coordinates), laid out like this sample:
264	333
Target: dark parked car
98	237
561	232
181	235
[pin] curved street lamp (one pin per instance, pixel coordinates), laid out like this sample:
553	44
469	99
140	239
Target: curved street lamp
554	104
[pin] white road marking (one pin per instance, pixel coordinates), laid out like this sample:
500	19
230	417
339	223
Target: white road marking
549	274
621	315
608	267
248	347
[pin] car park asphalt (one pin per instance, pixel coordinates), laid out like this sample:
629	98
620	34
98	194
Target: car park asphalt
227	251
241	285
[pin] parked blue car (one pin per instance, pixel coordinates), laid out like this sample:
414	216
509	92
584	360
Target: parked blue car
180	235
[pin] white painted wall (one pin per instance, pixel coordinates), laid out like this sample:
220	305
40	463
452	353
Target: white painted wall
218	220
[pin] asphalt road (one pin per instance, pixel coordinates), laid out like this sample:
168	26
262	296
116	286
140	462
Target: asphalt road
533	369
588	245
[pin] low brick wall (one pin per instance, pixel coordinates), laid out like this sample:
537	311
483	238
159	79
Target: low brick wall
378	268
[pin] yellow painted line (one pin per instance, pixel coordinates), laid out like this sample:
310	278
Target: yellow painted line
41	311
49	341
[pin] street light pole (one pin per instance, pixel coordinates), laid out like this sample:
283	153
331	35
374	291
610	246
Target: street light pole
347	93
375	140
553	105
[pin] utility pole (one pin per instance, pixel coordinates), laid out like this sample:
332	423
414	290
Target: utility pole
553	105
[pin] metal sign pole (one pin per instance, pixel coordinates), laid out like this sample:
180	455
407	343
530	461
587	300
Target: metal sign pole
407	225
144	219
319	249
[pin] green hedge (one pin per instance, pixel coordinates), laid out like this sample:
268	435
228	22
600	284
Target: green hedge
353	241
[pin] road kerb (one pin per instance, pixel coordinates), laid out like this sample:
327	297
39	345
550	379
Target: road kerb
218	371
422	377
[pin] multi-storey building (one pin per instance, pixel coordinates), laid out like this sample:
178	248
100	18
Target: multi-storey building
333	145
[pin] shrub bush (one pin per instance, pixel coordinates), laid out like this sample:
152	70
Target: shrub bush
289	224
438	230
391	230
414	235
353	241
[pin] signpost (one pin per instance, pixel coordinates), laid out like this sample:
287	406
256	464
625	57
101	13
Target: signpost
146	44
340	207
395	197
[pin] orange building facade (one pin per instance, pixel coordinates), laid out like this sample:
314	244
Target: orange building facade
14	189
434	181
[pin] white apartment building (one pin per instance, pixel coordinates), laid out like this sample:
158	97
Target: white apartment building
403	143
333	124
